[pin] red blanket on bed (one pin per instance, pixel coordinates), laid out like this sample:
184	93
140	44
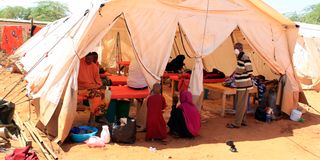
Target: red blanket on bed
118	92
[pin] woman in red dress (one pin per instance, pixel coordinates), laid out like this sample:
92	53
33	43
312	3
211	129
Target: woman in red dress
156	126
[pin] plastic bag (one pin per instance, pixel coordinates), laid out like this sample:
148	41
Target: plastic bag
6	112
124	134
95	142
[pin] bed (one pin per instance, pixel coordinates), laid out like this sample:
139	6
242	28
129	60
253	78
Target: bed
122	92
175	79
116	79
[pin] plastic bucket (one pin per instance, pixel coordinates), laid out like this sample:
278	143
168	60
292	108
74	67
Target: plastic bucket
295	115
82	137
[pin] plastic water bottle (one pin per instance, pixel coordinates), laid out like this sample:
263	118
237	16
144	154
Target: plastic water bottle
108	95
105	134
268	118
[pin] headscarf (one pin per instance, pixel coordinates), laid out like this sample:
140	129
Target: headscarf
190	113
176	64
155	85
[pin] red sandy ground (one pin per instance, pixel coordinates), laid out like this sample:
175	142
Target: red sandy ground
283	139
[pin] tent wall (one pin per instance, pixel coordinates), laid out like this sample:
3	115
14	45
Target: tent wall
223	57
307	62
307	56
181	46
119	33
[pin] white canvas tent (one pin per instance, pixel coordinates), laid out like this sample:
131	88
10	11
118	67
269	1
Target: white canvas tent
307	56
51	59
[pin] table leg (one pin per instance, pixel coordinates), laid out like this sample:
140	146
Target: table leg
172	88
223	104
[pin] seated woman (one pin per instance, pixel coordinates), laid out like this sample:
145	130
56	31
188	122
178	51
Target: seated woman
89	83
185	119
104	79
176	65
156	126
95	60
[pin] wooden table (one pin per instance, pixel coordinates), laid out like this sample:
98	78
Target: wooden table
224	91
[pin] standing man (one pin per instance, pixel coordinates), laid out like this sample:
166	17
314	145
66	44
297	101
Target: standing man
243	82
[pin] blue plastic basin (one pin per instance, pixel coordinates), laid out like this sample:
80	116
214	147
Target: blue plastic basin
83	137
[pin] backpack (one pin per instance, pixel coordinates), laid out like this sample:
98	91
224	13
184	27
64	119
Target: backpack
260	114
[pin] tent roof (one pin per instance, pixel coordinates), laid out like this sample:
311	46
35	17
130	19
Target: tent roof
232	5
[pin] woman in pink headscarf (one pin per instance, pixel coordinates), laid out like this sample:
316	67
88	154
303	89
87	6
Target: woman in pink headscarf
185	119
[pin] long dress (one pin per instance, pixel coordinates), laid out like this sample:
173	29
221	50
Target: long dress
190	113
185	119
177	123
156	126
141	117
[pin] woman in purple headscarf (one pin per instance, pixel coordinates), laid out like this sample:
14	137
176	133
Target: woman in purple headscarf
185	119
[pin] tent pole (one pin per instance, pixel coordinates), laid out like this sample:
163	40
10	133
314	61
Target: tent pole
118	53
176	47
31	26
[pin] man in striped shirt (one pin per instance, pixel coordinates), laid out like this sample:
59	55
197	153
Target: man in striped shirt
243	82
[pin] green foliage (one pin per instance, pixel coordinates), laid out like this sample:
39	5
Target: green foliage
49	11
309	15
44	11
294	16
15	13
313	16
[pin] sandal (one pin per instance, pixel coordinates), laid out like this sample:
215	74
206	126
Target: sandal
230	125
244	124
164	141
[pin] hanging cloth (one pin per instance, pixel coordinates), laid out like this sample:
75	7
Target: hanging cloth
11	39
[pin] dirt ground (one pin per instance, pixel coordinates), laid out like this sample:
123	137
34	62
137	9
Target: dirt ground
283	139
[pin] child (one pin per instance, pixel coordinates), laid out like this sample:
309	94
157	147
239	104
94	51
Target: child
156	126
